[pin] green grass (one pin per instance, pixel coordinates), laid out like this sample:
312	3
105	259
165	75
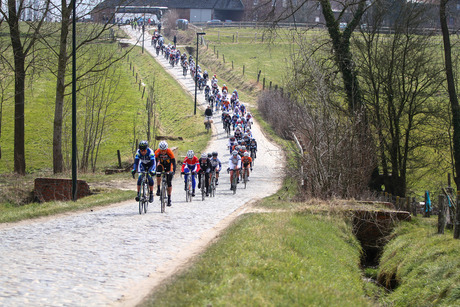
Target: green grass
273	259
424	264
13	213
175	113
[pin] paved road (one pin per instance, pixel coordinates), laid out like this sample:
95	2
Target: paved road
114	256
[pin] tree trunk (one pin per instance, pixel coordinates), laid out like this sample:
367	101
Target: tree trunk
58	161
19	87
451	90
343	55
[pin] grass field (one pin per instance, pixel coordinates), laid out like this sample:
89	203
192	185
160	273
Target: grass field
273	259
174	110
424	265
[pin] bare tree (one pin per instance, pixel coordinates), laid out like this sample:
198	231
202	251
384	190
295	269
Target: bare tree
337	163
100	112
88	35
24	36
400	80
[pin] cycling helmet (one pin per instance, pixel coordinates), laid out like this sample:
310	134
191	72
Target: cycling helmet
209	155
143	145
214	153
246	154
234	153
203	155
215	76
243	147
163	145
190	154
245	135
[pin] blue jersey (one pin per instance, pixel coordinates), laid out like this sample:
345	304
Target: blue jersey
146	161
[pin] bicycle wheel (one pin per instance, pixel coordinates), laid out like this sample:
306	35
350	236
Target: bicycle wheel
235	182
213	186
188	192
245	179
163	196
142	197
190	197
203	187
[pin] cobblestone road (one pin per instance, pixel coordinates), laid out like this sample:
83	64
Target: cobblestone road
108	256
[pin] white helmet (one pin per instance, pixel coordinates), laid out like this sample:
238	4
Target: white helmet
246	154
163	145
204	155
234	153
190	154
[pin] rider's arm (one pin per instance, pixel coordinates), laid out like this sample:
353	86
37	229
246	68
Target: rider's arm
152	162
136	162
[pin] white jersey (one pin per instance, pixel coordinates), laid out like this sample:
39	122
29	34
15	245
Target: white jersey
234	162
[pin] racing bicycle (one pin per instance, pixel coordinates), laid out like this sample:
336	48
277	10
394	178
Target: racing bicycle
163	189
144	192
188	187
212	187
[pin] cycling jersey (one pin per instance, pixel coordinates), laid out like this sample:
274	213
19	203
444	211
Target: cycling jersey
192	164
234	162
216	164
246	161
166	159
144	162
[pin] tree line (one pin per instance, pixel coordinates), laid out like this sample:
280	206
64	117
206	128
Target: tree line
359	89
31	42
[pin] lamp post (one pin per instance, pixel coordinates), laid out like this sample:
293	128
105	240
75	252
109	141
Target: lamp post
196	70
74	106
143	30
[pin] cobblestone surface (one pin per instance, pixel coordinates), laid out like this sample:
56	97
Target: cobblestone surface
101	257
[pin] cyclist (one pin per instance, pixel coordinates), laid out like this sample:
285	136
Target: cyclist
190	165
144	160
205	169
216	165
165	159
231	143
246	161
253	147
234	165
224	88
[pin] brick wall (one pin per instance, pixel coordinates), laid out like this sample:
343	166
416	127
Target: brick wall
48	189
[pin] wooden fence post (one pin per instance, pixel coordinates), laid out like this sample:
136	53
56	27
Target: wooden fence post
119	158
223	57
232	65
441	214
243	70
263	83
217	54
258	76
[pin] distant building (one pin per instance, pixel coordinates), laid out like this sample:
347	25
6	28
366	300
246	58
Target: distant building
192	10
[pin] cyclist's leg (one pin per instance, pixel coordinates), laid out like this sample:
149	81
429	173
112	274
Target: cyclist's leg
160	169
